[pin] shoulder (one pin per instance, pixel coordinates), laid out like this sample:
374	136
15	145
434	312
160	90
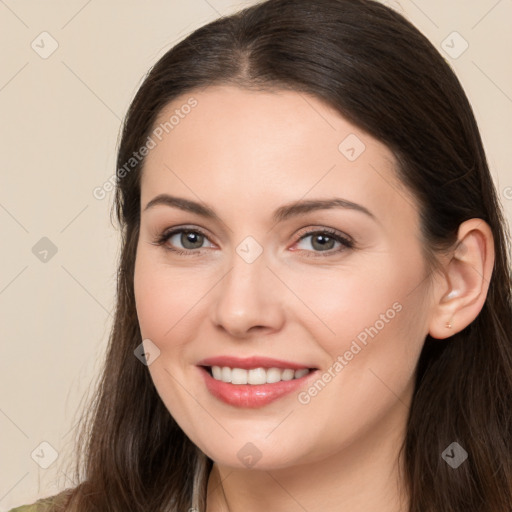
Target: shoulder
42	505
25	508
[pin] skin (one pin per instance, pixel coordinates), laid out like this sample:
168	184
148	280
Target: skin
245	154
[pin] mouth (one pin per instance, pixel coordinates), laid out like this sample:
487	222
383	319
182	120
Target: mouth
254	387
255	376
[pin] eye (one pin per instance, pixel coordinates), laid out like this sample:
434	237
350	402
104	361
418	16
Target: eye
324	240
190	240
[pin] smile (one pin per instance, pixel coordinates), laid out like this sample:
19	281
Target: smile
252	396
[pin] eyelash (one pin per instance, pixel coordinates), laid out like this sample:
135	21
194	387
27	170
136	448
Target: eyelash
345	242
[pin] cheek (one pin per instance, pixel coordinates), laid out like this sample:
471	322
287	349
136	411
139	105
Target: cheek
372	328
374	311
169	298
161	296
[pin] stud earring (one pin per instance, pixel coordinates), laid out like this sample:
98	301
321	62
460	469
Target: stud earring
448	325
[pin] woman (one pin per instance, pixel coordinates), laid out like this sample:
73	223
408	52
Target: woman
247	371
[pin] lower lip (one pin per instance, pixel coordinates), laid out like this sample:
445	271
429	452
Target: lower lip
251	396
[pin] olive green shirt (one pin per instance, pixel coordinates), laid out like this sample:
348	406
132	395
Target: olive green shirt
39	506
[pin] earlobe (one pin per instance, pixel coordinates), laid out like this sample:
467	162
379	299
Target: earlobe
467	275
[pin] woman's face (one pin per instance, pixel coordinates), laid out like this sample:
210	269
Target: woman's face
262	276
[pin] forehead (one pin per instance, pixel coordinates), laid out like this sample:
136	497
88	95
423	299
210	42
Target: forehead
281	145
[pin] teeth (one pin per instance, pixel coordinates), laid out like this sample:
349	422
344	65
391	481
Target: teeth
238	376
256	375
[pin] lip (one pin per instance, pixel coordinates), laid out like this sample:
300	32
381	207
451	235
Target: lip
249	363
252	396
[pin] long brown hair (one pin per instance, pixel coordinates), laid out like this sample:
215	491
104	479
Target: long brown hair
384	76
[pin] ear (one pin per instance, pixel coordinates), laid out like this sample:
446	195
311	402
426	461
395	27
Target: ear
461	293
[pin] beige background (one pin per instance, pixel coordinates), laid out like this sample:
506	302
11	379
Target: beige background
60	118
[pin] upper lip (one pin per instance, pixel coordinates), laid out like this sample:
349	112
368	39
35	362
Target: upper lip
251	362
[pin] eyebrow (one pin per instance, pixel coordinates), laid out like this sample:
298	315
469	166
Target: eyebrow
281	214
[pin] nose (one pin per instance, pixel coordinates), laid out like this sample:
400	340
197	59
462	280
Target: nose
247	299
